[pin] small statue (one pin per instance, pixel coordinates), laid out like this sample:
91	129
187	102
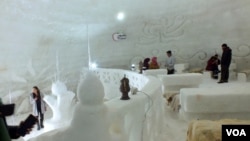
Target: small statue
140	67
124	88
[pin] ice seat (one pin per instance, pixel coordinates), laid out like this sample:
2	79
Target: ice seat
181	68
216	102
154	72
243	76
171	85
177	81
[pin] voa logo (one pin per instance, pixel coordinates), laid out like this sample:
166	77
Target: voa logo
236	132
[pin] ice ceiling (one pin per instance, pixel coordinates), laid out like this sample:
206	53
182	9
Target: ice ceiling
41	40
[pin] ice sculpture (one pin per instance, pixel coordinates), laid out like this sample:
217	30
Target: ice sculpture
89	116
61	102
90	112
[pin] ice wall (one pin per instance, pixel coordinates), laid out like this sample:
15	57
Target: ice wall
31	32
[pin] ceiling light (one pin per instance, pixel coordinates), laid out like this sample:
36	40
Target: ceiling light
120	16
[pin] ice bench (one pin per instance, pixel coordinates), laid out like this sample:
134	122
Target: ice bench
243	76
154	72
171	85
215	102
179	68
177	81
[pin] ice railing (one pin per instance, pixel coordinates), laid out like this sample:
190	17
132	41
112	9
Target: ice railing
110	79
141	117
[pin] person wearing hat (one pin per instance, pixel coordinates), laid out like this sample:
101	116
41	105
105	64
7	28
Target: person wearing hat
154	63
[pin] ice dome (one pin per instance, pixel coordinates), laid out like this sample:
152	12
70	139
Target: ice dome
43	39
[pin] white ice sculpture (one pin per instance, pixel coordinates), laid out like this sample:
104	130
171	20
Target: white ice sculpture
61	102
89	122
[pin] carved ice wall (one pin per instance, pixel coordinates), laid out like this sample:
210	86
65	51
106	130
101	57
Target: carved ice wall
140	118
194	30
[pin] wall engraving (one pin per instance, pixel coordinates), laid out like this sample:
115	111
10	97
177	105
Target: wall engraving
163	30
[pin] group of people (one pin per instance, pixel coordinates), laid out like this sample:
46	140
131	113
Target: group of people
224	62
153	64
13	132
212	64
150	64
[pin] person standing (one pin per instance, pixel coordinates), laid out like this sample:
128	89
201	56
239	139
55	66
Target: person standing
39	106
225	63
170	62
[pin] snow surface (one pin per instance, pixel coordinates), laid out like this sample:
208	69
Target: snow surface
175	127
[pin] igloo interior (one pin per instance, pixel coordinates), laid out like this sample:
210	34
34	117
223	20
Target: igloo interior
48	41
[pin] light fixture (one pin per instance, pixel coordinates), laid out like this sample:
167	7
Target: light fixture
93	66
120	16
133	67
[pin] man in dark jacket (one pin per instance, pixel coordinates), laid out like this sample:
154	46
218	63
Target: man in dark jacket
225	63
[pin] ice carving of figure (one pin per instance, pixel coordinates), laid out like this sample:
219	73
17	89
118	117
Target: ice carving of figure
90	112
61	102
89	121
